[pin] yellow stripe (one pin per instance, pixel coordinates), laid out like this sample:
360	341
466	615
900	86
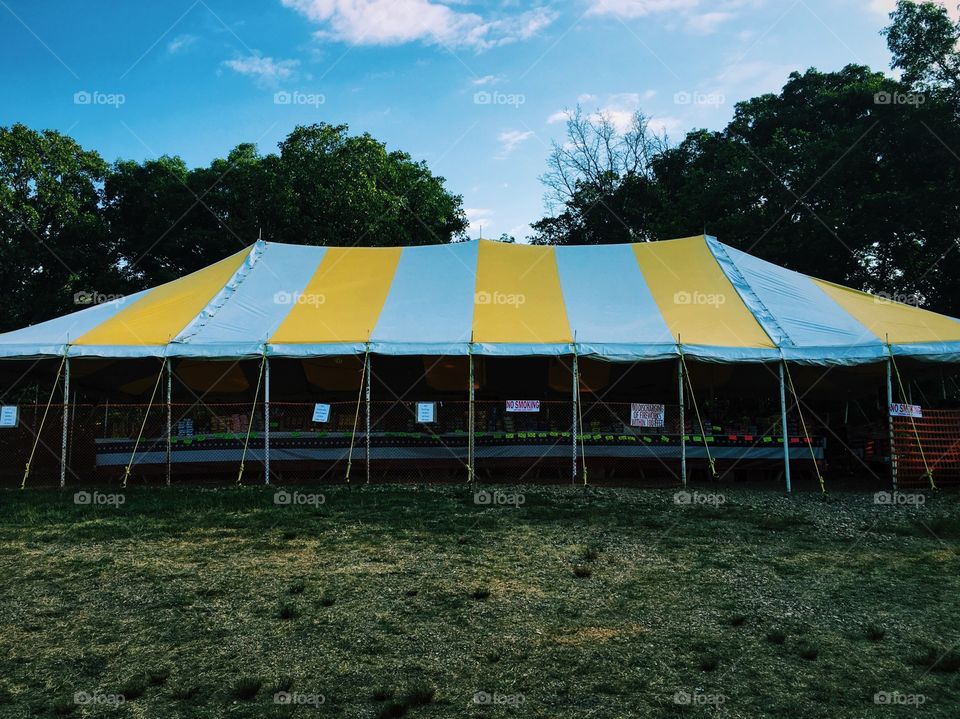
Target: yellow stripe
885	318
518	296
343	299
697	301
164	311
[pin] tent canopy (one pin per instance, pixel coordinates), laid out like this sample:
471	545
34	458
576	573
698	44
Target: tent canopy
628	302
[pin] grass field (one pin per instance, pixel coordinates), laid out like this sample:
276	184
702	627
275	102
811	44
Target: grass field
410	601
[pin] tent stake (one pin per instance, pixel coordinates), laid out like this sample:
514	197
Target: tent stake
683	426
266	418
66	420
783	429
169	417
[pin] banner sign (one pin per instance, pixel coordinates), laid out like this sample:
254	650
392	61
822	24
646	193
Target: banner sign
321	412
426	412
646	415
8	416
523	405
906	410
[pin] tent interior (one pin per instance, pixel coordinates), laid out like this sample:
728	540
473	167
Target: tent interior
119	413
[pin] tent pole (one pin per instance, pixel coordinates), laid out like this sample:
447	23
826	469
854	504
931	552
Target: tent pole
576	410
471	421
266	419
367	360
893	451
169	416
683	425
783	429
66	421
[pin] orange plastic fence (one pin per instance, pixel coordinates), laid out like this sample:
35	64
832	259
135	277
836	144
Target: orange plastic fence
939	439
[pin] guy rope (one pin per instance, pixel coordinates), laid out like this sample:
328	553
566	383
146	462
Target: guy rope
706	445
146	414
579	403
928	473
246	442
356	417
36	438
803	425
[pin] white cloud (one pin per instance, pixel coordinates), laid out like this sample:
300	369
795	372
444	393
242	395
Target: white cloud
266	70
701	17
510	140
394	22
629	9
671	126
707	23
486	80
180	43
479	218
619	108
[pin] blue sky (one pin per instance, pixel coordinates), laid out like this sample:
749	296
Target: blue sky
477	90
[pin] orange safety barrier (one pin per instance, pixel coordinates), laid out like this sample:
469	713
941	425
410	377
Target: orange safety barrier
939	443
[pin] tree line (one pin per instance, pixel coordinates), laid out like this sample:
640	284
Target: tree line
851	176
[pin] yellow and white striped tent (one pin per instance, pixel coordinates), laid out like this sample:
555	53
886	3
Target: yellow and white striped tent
629	302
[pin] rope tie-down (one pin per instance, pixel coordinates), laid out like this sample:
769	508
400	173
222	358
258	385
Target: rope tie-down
246	442
356	417
146	414
578	401
36	439
806	435
927	471
706	445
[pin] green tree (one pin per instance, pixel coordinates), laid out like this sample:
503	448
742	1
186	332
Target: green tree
324	187
925	45
338	189
54	240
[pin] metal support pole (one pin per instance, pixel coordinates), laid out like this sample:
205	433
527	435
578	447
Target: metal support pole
66	422
683	425
169	416
367	360
266	419
783	428
576	414
893	450
471	422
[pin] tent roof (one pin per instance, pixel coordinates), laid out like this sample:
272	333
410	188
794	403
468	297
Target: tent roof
620	302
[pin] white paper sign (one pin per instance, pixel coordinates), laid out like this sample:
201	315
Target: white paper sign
8	416
321	412
523	405
906	410
426	412
646	415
